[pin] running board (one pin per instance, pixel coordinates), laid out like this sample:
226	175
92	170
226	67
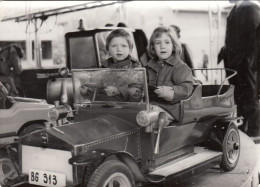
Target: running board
174	167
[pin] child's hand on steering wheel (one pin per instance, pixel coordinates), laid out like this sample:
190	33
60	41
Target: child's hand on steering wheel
165	92
112	91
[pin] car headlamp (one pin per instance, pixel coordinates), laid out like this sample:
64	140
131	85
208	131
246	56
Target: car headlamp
63	71
57	113
145	118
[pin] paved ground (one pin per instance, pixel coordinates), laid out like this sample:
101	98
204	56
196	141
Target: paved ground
258	153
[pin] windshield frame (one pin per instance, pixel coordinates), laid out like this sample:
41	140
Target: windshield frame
144	101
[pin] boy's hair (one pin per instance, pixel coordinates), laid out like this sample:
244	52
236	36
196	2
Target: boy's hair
157	33
119	33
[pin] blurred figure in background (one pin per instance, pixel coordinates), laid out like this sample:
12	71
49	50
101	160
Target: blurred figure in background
205	63
241	52
3	95
109	25
186	54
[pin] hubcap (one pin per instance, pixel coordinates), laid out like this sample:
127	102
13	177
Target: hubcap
117	180
232	146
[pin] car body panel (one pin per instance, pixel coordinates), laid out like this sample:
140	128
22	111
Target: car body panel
21	112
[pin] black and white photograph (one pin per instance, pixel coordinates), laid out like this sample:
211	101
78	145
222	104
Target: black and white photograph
130	93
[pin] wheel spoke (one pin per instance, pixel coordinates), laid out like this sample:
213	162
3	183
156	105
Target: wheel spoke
229	146
229	154
232	137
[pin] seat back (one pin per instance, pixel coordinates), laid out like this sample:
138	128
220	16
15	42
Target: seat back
190	108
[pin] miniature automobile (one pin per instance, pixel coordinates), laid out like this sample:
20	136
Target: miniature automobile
116	140
20	116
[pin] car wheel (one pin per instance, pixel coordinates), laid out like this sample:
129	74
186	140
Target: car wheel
32	128
111	173
7	170
231	148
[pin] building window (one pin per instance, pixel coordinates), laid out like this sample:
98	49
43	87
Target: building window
46	50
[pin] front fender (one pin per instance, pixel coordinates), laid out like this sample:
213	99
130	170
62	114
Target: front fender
92	161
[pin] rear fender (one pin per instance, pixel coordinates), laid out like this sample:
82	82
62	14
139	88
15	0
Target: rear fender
219	129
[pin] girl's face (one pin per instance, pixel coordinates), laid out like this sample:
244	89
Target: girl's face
163	46
119	48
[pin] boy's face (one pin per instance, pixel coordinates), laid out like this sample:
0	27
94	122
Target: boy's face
119	48
163	46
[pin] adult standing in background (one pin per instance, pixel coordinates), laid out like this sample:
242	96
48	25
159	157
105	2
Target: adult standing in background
205	63
241	52
186	54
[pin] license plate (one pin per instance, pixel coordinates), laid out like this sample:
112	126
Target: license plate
46	178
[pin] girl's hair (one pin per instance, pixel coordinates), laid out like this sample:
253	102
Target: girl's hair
157	33
119	33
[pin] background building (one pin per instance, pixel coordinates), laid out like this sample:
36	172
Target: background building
202	25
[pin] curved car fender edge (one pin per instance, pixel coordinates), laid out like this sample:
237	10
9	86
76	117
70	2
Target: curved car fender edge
138	174
100	155
219	130
28	123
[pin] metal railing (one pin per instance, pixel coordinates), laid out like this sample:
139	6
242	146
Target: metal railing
222	81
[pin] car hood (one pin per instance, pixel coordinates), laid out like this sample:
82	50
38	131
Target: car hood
81	133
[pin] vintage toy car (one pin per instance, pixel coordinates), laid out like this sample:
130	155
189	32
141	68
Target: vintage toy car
117	140
20	116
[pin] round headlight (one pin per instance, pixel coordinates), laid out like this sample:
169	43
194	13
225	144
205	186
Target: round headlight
145	118
63	71
59	112
53	114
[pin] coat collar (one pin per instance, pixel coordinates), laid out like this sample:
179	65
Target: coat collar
110	62
172	61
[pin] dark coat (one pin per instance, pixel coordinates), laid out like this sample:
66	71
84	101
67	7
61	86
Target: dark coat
186	55
242	53
129	62
175	73
242	43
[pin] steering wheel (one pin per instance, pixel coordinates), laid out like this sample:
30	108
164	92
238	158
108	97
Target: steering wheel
151	88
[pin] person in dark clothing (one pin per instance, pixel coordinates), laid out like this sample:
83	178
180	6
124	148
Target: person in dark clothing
205	63
241	52
141	45
186	54
3	95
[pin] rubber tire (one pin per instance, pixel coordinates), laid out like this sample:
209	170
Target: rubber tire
225	164
107	169
31	128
